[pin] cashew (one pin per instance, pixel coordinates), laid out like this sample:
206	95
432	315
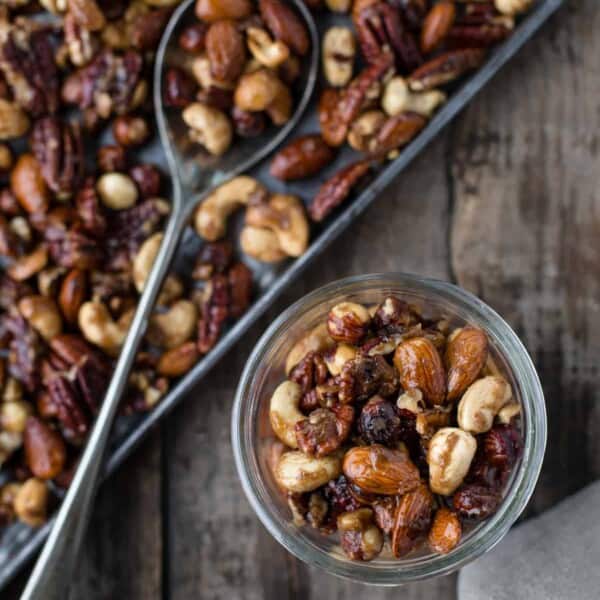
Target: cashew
363	131
411	400
450	453
117	191
481	403
512	7
398	98
204	77
339	50
508	412
280	110
42	314
261	244
20	227
175	326
142	265
209	127
299	473
99	328
29	264
284	412
340	6
317	340
270	53
31	502
336	360
211	216
284	215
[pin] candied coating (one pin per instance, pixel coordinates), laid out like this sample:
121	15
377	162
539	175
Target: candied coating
378	390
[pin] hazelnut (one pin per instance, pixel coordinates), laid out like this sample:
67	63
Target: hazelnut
31	502
348	322
117	191
130	131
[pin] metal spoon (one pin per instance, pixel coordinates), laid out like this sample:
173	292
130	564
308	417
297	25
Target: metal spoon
193	176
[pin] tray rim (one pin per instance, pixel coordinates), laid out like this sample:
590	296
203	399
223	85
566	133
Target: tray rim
458	101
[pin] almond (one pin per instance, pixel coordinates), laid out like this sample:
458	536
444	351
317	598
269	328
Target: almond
28	185
379	470
72	294
445	532
303	157
45	450
436	25
211	11
411	520
226	51
466	354
420	366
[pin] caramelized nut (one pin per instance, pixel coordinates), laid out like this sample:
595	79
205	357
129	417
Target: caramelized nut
299	473
348	322
481	403
31	502
45	450
445	532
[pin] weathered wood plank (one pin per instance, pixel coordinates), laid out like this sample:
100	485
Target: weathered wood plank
526	227
217	548
122	552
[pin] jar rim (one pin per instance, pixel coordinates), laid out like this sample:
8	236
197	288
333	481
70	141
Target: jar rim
490	531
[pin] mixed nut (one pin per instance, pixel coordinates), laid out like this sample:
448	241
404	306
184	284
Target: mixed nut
79	235
392	429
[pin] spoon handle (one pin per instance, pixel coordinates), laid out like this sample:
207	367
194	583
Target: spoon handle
52	574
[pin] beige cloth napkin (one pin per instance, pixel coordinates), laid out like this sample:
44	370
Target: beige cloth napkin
555	556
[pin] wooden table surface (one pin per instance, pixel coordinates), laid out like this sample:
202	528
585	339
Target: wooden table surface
505	203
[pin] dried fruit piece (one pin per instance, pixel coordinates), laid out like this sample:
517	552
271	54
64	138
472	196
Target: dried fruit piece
380	470
365	376
466	354
324	430
379	422
445	532
420	366
473	501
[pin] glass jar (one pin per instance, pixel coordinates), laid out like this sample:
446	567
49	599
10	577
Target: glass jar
254	443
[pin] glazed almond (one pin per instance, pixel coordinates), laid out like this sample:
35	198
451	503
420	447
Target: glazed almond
466	354
303	157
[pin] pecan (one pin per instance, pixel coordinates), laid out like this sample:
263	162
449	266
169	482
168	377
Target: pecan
445	68
90	211
146	29
397	131
365	376
226	50
25	350
81	43
303	157
240	289
10	292
108	84
179	88
337	110
477	36
324	430
336	189
67	403
214	312
214	257
58	149
72	248
285	25
413	11
412	520
310	372
27	62
436	26
380	28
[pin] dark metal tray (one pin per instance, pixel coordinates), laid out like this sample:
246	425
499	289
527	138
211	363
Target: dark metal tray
19	543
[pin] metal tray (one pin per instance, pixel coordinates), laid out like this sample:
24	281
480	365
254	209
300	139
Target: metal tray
19	543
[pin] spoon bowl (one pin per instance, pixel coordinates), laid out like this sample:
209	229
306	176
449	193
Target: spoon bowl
194	169
194	175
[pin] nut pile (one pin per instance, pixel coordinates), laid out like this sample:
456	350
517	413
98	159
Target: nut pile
78	237
243	62
395	429
411	51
